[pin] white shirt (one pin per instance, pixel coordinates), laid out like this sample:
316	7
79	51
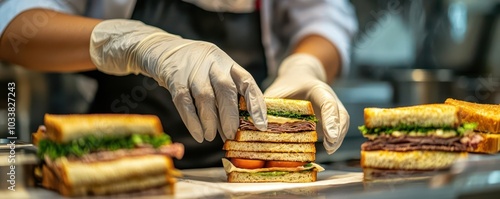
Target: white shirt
284	23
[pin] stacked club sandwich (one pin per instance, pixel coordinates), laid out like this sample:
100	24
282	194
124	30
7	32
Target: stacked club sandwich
409	140
487	118
100	154
283	153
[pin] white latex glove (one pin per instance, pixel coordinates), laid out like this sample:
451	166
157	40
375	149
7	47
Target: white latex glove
203	80
302	76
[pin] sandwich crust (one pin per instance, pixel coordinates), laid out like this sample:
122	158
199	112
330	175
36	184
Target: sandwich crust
244	177
164	184
427	115
37	136
75	174
64	128
489	144
301	107
486	116
410	160
261	136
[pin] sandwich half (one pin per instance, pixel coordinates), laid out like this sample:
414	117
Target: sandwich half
487	118
284	153
102	154
416	138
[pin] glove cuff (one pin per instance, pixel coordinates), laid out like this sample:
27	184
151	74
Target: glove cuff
303	64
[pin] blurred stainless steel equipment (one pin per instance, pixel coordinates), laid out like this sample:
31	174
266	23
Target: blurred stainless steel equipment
453	41
453	34
38	93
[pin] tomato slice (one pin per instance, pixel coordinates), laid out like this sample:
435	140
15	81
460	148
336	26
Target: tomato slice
290	164
247	163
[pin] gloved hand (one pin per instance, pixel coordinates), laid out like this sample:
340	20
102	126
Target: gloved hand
302	76
203	80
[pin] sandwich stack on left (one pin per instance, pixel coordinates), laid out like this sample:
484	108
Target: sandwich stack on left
101	154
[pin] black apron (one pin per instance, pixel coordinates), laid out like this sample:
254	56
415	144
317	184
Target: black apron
238	35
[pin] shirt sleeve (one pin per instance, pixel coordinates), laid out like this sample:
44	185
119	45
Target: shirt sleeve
9	9
333	19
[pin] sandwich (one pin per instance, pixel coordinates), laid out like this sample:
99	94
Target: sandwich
102	154
487	118
408	140
284	153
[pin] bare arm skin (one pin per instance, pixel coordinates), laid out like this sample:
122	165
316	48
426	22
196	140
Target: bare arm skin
48	41
324	50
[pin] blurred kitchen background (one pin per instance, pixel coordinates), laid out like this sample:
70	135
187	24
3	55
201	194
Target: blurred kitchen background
410	52
407	52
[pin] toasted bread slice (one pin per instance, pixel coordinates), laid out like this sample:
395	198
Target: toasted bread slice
78	173
231	145
486	116
38	135
300	107
296	157
410	160
65	128
262	136
300	176
489	144
427	115
161	183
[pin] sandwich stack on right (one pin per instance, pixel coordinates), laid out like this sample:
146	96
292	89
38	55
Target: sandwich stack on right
487	118
406	140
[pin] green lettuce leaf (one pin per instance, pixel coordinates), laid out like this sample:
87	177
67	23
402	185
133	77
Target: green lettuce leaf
409	128
85	145
311	118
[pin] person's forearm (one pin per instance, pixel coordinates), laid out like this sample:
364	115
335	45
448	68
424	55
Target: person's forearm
324	50
48	41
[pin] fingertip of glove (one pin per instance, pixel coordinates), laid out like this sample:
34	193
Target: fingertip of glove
199	138
210	138
228	137
330	146
229	131
330	152
261	125
260	121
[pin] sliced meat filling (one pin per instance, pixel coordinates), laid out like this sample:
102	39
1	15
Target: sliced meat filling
433	143
173	150
246	125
